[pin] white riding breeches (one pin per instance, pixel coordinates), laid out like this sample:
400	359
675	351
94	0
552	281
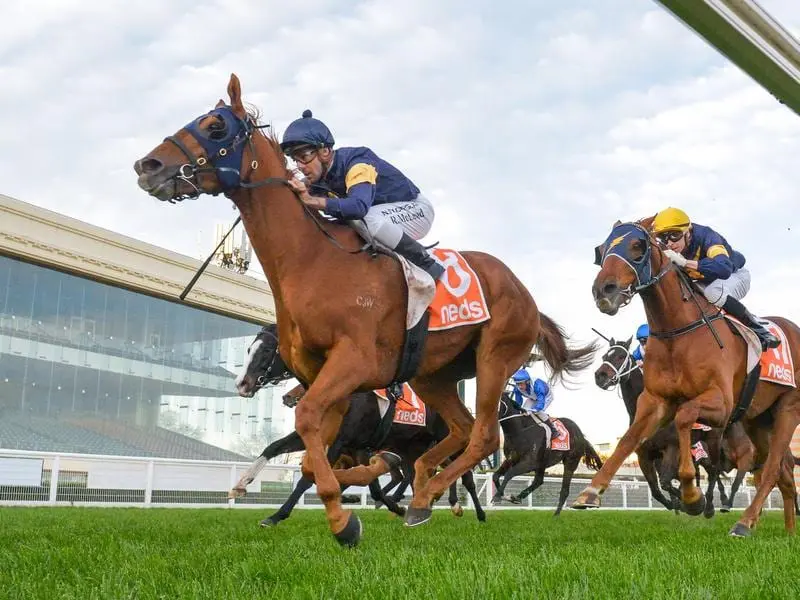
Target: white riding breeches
388	222
737	285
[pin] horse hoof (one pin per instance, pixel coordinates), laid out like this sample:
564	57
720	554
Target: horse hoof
740	531
588	498
481	516
351	534
269	522
417	516
457	510
708	513
497	499
697	507
515	499
237	493
725	509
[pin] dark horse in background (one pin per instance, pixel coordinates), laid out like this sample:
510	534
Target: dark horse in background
737	451
658	456
523	448
363	432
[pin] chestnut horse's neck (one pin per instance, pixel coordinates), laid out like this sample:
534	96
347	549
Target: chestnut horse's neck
284	236
665	307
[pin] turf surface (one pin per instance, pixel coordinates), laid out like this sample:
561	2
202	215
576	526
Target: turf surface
173	553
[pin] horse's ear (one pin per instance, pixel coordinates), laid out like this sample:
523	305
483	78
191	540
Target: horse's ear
611	342
598	254
617	223
220	104
628	343
647	222
235	94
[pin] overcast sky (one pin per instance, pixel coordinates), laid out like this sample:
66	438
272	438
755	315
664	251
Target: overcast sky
532	125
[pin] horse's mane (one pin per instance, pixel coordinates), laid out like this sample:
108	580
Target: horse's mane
266	130
271	138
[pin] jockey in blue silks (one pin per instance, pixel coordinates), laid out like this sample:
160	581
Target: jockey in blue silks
534	397
641	336
354	184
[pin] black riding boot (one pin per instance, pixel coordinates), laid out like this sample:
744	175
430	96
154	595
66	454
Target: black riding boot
735	308
553	429
416	253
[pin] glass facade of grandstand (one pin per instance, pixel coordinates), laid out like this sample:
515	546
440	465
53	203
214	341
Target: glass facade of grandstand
92	368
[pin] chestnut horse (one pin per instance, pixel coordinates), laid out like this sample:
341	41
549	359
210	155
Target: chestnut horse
690	375
341	313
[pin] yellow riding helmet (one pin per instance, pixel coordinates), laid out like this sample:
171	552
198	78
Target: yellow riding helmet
671	219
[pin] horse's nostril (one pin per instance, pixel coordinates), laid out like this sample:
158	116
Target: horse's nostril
149	166
610	288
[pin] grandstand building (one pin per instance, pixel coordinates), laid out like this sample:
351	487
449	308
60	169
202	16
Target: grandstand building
98	356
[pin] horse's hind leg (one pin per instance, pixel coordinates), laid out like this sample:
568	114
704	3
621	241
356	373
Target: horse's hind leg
785	423
789	494
442	396
496	357
566	480
468	479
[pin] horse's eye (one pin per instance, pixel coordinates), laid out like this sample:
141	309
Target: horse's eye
217	130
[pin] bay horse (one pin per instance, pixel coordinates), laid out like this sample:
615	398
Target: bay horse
363	433
523	448
694	372
658	456
341	312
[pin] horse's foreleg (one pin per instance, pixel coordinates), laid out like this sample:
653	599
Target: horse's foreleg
651	412
284	511
317	420
713	477
501	470
650	476
526	463
538	480
380	464
785	423
289	443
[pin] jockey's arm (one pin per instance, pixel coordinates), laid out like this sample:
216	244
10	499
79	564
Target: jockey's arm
637	354
360	184
718	266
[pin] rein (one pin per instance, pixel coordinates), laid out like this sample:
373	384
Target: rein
230	178
642	266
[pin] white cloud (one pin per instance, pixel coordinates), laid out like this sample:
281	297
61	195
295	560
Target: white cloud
533	127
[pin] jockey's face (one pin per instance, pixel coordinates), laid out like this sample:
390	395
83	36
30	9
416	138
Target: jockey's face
674	240
642	341
312	162
522	384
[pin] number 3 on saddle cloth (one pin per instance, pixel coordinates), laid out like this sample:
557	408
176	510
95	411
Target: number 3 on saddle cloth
456	299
